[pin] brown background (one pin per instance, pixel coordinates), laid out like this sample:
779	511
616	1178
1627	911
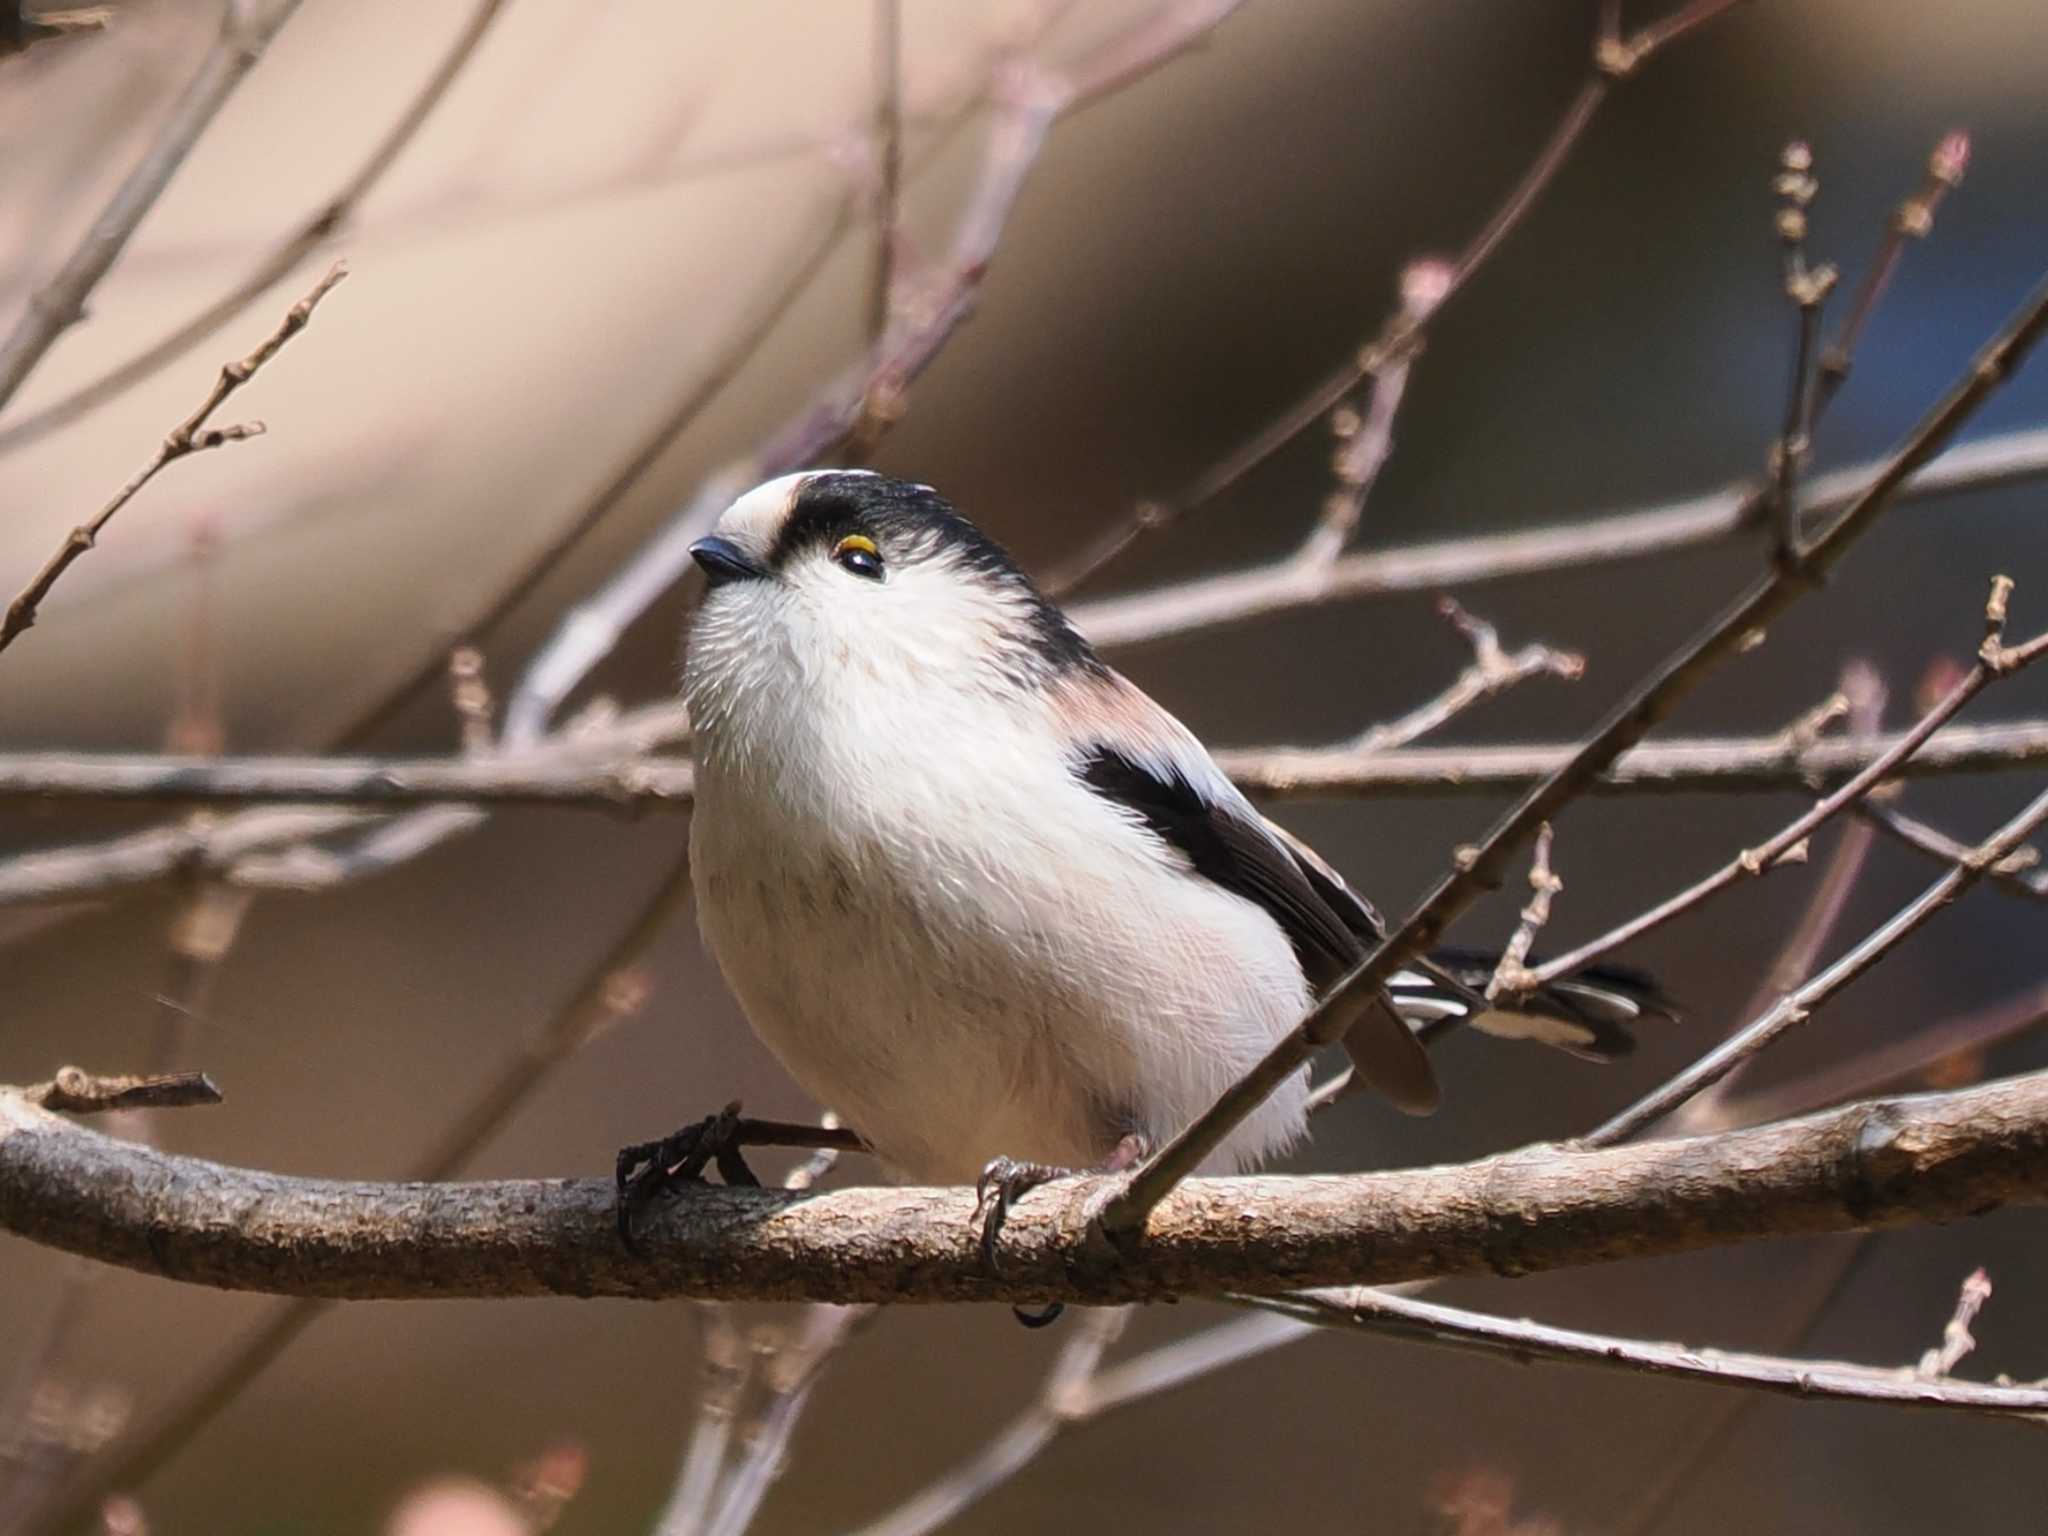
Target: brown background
578	231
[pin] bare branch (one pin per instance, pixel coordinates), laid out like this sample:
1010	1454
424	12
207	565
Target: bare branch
59	303
1797	1005
1204	602
2019	871
1876	1165
332	218
1956	1340
1477	869
1492	671
1781	846
1400	335
1718	765
190	436
1527	1342
888	147
613	990
77	1092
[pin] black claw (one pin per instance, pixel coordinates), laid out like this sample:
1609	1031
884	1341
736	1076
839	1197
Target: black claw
1002	1184
1041	1319
649	1168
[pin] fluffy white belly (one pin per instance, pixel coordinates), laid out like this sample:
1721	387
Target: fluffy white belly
1029	990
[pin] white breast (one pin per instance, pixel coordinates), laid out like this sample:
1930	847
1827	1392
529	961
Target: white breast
947	938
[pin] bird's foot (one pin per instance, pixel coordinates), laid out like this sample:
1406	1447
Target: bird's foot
650	1168
1005	1181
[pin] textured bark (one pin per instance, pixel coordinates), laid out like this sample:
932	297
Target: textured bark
1887	1163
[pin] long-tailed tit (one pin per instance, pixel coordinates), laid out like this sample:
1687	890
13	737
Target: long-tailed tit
984	897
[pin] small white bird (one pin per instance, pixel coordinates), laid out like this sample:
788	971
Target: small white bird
978	892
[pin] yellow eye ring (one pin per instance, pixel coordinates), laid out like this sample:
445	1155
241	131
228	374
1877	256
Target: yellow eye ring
858	554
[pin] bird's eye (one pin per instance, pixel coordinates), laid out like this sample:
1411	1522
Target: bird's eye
857	553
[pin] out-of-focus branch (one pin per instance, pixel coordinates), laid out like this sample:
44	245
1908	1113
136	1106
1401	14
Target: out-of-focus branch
622	781
190	436
59	304
1205	602
1875	1165
21	29
1479	868
331	219
1794	1007
613	990
1051	1411
1527	1342
1400	335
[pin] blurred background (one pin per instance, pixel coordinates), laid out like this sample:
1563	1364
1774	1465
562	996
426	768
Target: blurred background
585	235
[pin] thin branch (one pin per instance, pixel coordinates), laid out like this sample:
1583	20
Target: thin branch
1914	1059
1400	334
1526	1342
1205	602
1705	765
1493	670
1807	287
613	990
1509	975
1480	868
20	30
60	303
1869	1166
2019	871
190	436
1797	1005
332	218
1913	219
77	1092
1791	840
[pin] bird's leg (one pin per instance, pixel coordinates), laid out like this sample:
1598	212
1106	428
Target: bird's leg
1005	1181
648	1168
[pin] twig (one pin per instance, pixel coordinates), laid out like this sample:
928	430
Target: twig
469	692
1868	1166
1807	287
1477	869
1400	335
1492	671
723	1354
1863	696
60	303
1996	661
1797	1005
1527	1342
2020	871
1913	219
1204	602
78	1092
331	219
613	990
190	436
1510	975
1956	1340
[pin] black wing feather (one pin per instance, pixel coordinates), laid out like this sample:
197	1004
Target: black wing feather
1235	849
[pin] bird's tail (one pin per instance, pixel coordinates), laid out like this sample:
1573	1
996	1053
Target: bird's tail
1590	1013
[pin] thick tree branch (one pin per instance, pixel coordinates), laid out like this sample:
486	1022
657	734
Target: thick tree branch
1889	1163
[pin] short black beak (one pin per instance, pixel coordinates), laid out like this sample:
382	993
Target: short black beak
723	561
